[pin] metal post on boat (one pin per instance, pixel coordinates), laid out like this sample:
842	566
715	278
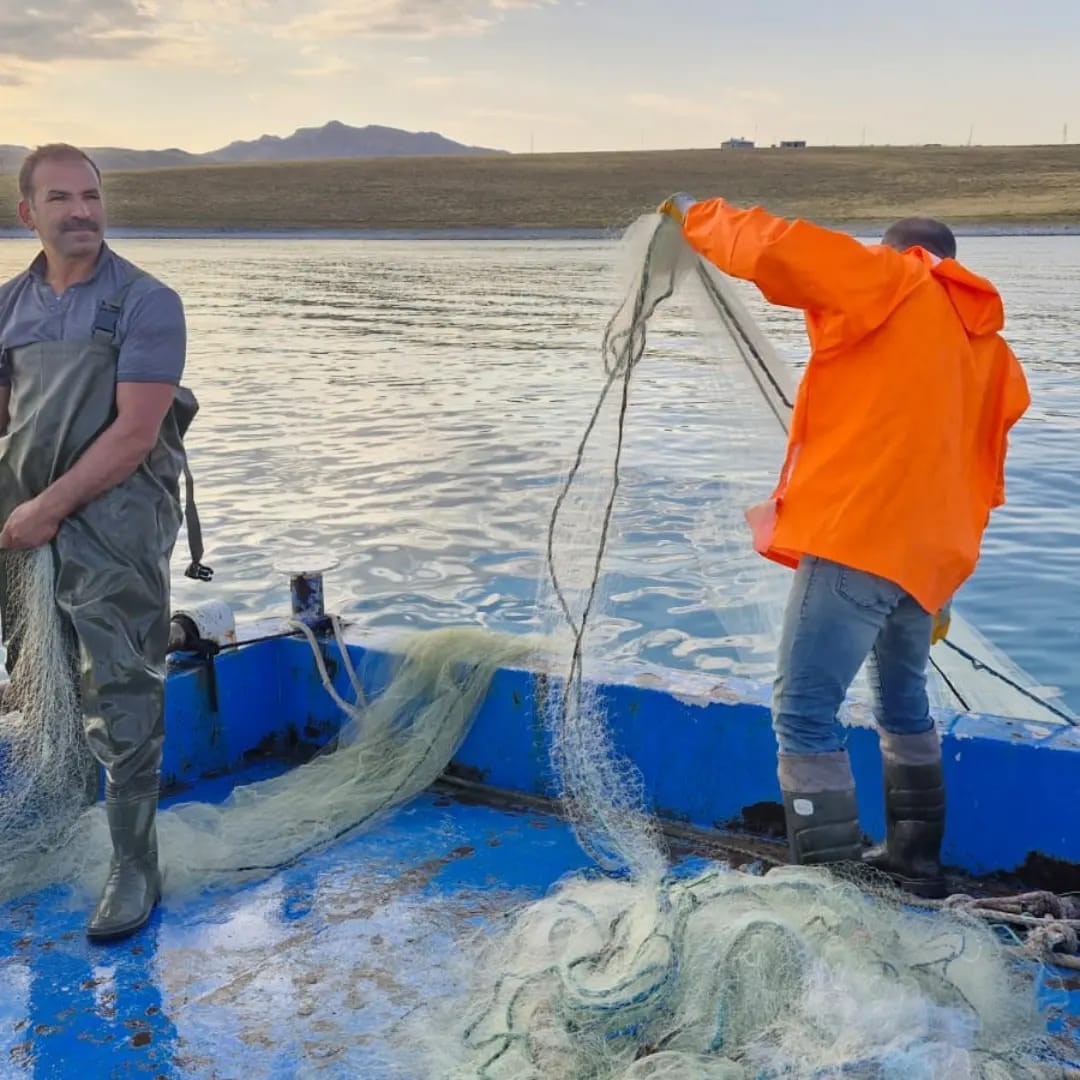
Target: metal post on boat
308	600
307	595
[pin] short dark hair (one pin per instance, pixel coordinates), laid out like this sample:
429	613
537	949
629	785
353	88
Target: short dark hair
50	152
922	232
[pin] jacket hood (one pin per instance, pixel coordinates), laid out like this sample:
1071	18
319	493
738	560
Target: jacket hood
976	301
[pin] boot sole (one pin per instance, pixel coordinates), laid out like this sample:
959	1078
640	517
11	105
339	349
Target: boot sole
924	888
115	933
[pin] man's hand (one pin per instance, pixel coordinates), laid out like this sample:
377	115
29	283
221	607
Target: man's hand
675	206
29	526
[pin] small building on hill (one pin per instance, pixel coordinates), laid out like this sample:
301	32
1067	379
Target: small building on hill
737	144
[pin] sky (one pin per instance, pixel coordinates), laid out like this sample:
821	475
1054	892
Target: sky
543	75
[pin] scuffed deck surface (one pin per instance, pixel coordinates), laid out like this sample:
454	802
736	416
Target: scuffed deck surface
301	975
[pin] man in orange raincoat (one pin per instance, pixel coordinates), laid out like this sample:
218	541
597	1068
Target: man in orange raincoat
895	459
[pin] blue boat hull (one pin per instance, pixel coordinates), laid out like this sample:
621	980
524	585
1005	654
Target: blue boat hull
705	750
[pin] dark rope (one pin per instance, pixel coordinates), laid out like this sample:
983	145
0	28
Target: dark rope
759	368
621	352
978	665
949	683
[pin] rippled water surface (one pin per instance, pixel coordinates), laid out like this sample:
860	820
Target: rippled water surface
411	406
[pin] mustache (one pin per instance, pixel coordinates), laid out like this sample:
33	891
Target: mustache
79	225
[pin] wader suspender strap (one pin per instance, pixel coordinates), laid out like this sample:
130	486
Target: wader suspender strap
197	571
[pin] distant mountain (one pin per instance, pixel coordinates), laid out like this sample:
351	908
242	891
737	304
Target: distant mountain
111	157
337	140
333	140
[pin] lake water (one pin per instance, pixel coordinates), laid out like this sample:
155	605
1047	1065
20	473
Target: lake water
411	406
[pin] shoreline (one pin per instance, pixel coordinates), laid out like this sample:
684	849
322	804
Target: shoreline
513	233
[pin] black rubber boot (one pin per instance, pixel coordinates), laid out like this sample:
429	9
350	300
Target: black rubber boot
915	826
819	808
134	884
822	827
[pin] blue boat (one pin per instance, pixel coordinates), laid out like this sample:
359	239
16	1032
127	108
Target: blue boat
299	972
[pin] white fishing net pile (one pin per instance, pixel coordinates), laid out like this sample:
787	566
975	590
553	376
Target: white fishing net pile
726	976
394	745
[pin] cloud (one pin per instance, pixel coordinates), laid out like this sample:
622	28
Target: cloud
523	116
75	29
330	67
196	33
754	97
436	82
214	13
416	19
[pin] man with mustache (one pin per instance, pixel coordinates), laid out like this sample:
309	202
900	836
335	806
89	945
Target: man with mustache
92	416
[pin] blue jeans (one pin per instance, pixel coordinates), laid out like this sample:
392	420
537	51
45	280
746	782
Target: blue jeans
837	617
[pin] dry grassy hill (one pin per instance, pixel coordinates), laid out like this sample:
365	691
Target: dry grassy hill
993	185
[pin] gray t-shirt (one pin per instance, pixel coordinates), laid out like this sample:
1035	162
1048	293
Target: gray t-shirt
151	333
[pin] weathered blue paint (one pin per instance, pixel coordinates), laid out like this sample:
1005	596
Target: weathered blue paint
301	974
1011	784
219	710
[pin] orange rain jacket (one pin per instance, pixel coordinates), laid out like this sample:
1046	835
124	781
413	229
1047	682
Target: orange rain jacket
896	453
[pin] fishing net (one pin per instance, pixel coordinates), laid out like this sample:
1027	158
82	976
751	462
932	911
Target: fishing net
723	411
601	792
47	774
725	975
648	972
395	744
397	739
